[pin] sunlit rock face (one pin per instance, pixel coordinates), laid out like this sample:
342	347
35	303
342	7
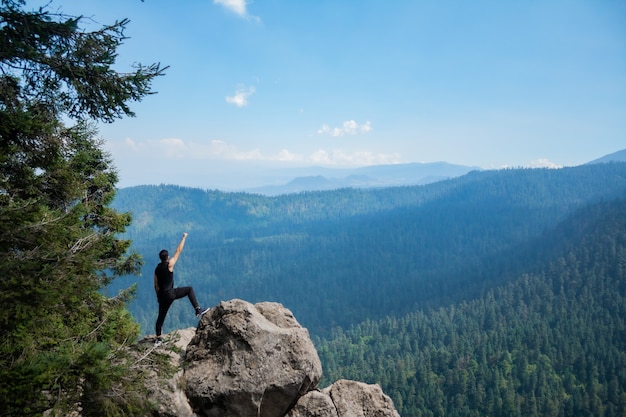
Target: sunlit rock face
255	360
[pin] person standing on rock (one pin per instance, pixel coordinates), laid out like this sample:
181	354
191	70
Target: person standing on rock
166	292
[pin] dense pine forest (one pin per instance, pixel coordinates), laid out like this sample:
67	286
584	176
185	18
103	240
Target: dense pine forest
549	343
496	293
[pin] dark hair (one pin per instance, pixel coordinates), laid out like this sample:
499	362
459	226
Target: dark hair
163	255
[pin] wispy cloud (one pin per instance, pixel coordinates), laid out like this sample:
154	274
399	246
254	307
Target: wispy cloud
286	155
217	149
239	7
349	127
357	158
240	98
236	6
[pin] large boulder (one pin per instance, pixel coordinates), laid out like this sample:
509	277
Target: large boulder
249	360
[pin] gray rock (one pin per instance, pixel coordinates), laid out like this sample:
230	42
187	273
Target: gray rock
345	399
314	404
249	360
167	394
357	399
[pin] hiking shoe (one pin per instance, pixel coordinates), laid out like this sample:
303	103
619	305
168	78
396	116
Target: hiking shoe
158	342
200	311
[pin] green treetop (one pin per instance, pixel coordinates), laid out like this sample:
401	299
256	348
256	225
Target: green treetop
60	340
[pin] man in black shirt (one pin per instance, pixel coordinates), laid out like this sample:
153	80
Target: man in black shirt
165	290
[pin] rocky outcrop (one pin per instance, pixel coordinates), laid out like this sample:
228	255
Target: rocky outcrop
164	387
356	399
248	360
345	399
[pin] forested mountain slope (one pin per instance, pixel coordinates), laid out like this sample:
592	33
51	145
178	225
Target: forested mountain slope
550	342
336	258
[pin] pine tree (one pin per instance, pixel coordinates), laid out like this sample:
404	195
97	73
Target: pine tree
61	341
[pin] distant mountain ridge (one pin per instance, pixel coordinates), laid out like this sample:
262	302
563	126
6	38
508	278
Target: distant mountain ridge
323	179
303	179
619	156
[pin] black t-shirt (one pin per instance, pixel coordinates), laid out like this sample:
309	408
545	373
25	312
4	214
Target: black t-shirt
165	277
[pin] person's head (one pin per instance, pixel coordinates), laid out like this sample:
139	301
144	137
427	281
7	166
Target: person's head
164	255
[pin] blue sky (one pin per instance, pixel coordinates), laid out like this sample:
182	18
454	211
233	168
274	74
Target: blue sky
276	84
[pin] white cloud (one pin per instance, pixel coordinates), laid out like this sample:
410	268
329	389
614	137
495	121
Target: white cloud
176	148
321	157
220	150
218	163
287	156
544	163
236	6
366	127
173	147
131	144
240	99
349	127
339	157
239	7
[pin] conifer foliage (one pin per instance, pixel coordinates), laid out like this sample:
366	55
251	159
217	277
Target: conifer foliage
61	340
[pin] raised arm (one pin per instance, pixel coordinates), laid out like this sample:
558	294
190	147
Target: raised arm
179	249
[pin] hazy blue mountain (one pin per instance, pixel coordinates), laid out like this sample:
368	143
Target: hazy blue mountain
295	180
340	257
318	178
619	156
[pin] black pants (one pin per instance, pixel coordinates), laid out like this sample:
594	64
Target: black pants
166	298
